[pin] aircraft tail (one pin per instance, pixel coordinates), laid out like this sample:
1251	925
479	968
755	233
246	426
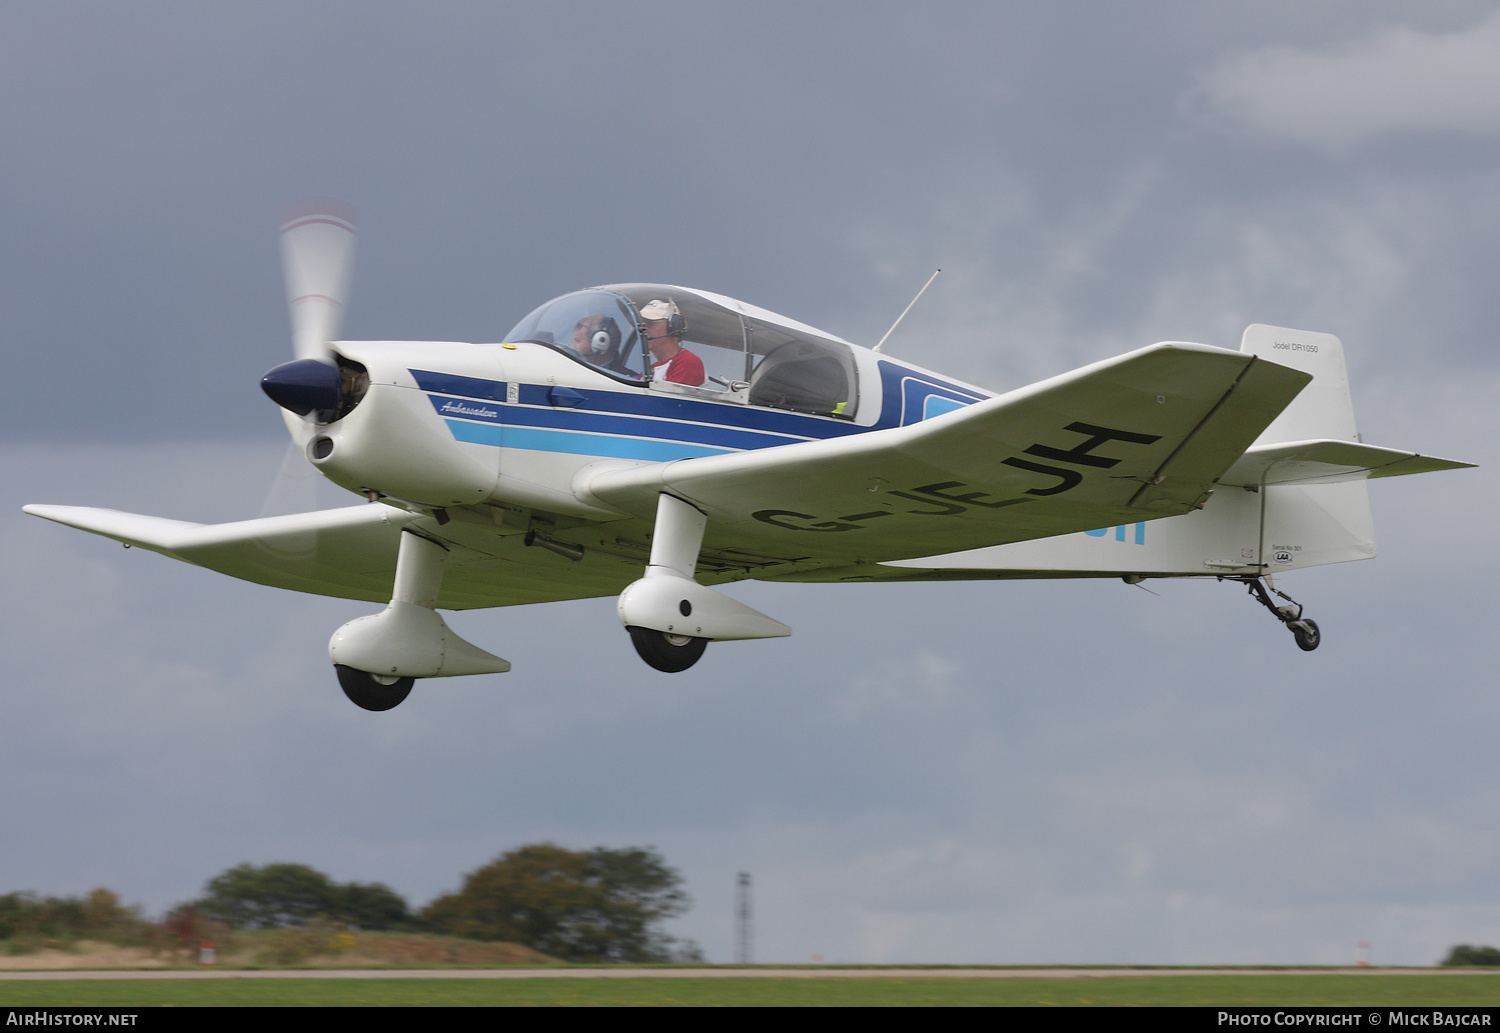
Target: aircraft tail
1303	524
1296	498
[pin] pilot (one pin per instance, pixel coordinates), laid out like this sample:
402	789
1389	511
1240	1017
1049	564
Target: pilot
663	326
596	340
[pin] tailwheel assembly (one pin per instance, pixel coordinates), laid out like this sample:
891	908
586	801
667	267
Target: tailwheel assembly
1290	613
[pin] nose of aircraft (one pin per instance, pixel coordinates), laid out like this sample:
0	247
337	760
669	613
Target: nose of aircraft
304	386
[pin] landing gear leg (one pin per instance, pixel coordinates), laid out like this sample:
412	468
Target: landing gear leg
671	618
1304	631
675	542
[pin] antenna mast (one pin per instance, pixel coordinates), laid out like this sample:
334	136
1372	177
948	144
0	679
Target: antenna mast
907	309
742	921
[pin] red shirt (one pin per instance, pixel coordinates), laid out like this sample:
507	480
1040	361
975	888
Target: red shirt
682	368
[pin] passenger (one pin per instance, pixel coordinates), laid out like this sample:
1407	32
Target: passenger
662	325
596	340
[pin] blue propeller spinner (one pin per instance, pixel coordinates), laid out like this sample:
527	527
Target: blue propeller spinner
304	386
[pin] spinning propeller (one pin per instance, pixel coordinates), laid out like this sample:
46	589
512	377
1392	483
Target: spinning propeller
317	252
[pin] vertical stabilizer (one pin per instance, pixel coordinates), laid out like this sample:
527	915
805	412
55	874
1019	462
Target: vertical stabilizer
1324	408
1310	524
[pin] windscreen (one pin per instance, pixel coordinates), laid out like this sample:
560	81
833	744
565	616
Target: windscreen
595	327
644	332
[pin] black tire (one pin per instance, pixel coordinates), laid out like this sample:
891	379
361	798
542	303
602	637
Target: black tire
668	653
1307	635
367	693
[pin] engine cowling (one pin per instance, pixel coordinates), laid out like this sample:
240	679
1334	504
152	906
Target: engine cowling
393	440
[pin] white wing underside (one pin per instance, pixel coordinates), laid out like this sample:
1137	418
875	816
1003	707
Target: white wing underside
351	553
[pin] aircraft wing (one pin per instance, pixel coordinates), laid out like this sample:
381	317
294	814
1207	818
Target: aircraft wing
1141	436
351	553
330	552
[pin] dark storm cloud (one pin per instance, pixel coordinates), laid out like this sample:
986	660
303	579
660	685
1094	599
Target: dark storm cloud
503	154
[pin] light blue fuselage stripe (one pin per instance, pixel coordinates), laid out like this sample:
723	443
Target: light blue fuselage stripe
937	405
573	443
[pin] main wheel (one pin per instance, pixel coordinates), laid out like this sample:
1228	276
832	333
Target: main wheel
372	691
1306	633
665	652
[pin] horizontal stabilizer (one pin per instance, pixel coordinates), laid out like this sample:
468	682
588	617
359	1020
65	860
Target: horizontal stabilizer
1327	461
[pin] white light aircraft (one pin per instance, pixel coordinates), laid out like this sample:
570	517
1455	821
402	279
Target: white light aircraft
654	442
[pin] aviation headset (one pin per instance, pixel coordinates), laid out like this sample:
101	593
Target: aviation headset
605	337
676	324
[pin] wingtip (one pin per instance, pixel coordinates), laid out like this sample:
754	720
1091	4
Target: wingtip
46	512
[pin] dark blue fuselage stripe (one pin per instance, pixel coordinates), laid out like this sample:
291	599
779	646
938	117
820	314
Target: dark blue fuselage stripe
603	423
573	419
726	424
733	414
467	387
904	390
648	404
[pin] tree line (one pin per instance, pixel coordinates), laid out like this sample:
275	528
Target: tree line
599	905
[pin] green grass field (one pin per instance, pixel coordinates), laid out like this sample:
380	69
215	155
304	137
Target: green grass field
1363	990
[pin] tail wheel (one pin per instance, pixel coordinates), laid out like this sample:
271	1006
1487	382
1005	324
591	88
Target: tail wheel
372	691
1306	634
666	652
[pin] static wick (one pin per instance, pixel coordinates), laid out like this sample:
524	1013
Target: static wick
907	309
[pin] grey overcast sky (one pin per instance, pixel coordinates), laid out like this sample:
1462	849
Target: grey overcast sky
1006	772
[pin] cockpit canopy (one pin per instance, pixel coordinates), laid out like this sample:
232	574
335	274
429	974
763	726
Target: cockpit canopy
747	354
